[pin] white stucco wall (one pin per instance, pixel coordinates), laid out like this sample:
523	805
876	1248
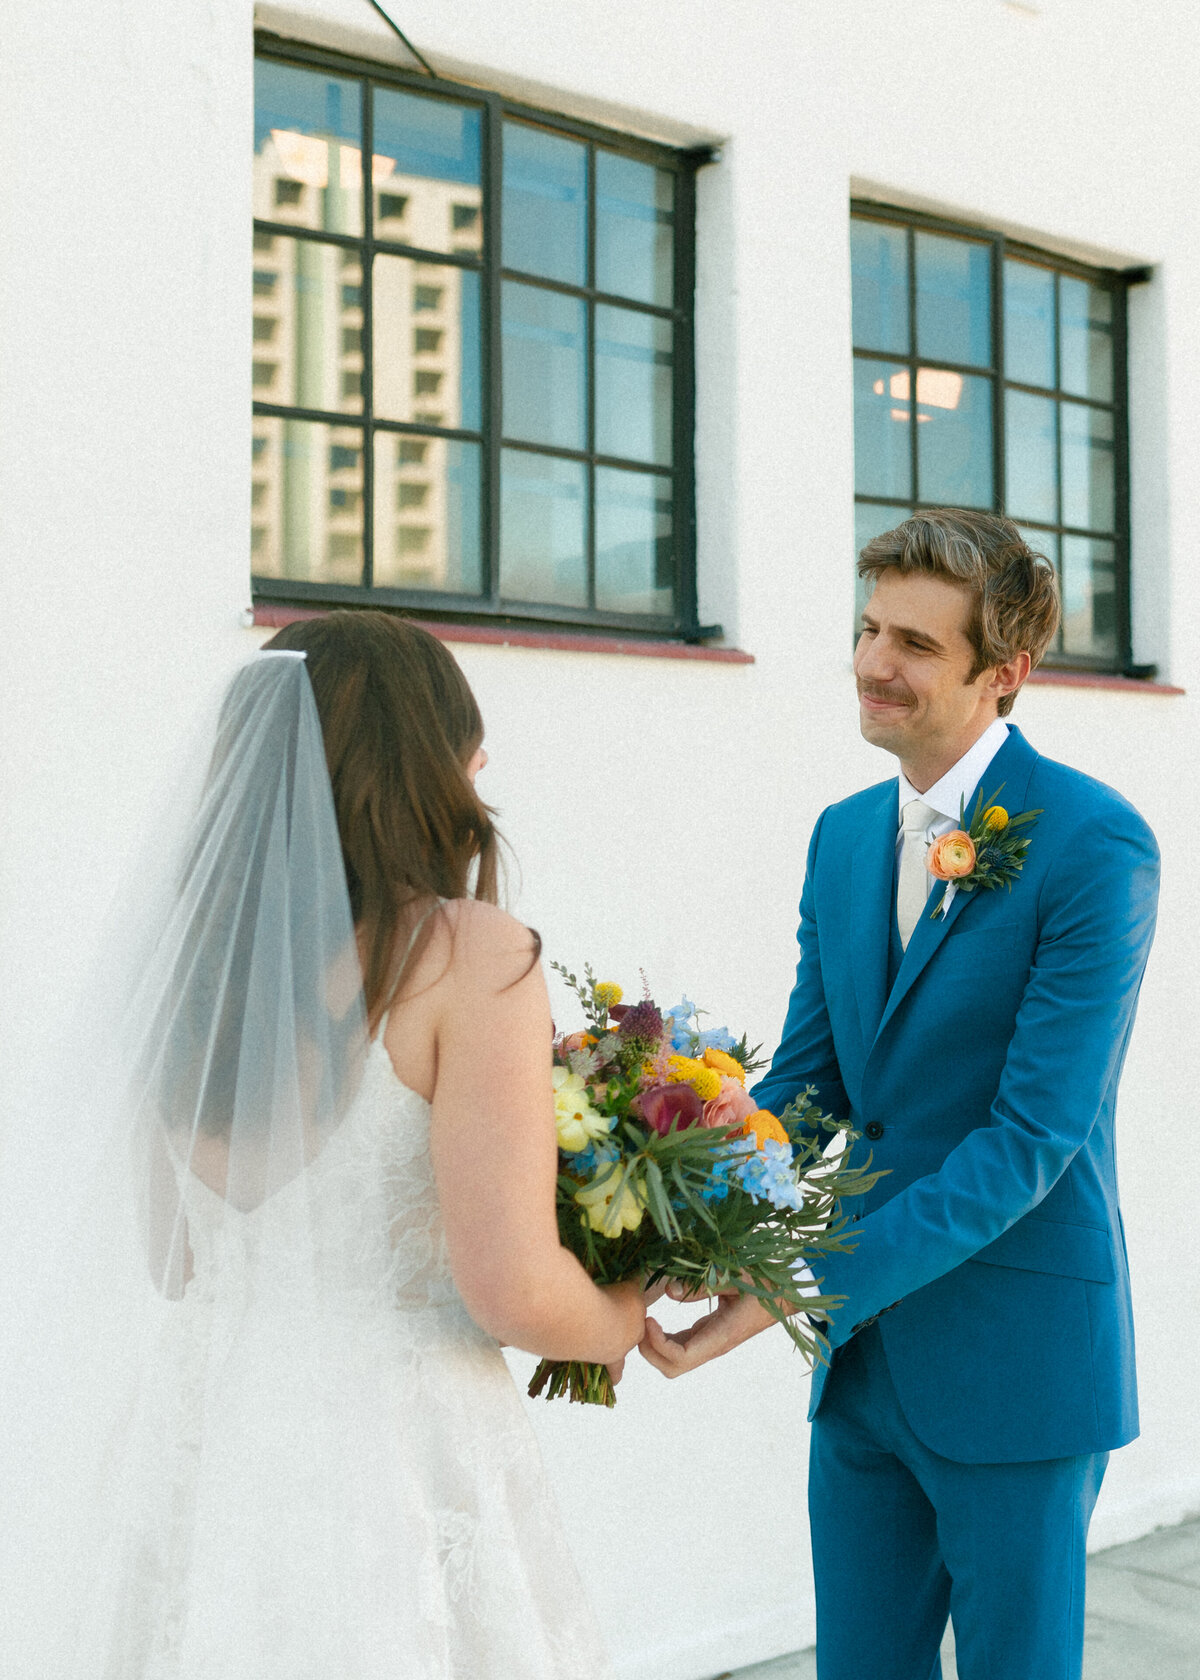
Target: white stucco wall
124	432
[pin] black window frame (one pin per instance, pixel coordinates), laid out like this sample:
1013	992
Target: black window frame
490	607
1117	282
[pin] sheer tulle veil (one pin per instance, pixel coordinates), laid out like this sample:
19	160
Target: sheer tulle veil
217	1050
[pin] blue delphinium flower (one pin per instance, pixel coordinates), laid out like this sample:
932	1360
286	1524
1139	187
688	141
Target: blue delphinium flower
677	1022
587	1161
682	1023
767	1176
726	1170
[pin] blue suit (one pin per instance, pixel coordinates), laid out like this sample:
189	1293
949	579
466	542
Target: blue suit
987	1297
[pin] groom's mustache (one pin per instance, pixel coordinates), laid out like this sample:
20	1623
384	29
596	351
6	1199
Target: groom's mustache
892	696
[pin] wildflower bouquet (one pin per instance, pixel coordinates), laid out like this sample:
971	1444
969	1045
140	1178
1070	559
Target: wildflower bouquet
668	1170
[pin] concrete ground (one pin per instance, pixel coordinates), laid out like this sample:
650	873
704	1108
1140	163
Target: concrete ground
1143	1615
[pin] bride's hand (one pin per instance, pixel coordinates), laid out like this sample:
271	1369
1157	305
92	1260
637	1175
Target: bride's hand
646	1296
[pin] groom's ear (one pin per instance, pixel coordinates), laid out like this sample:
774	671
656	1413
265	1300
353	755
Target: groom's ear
1006	679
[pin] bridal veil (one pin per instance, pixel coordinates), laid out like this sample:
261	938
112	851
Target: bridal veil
216	1054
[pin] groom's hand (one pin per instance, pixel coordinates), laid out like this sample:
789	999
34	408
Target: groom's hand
736	1319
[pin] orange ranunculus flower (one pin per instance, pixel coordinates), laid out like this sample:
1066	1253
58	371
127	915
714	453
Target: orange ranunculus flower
995	818
951	856
727	1065
762	1125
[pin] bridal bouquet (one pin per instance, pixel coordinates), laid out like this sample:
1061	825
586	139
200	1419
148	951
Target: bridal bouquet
668	1170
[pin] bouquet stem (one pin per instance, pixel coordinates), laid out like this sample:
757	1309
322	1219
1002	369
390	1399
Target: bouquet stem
591	1385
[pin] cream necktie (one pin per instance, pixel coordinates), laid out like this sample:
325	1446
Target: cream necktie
912	888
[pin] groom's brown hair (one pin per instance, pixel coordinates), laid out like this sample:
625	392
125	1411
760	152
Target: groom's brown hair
1013	589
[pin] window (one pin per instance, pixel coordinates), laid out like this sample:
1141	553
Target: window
499	298
1013	362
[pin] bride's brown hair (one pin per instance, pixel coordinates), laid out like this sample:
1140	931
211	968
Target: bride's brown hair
400	726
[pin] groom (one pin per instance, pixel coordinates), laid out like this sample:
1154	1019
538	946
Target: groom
982	1364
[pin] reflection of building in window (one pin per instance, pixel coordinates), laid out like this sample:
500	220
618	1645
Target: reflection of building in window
426	341
463	216
427	297
391	206
411	494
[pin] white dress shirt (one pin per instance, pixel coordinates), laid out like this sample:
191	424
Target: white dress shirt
948	793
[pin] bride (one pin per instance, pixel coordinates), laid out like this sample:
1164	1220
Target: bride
256	1423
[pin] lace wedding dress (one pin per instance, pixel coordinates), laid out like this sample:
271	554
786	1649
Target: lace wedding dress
347	1490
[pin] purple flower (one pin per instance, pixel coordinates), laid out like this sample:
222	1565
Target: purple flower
642	1021
665	1107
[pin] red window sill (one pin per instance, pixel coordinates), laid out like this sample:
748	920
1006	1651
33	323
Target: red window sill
1100	679
500	635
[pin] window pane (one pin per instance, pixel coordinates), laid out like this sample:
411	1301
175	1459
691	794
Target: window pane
544	377
871	519
882	441
307	148
307	484
543	504
426	172
635	232
954	300
879	277
635	554
425	320
1088	467
308	326
954	439
1085	332
1089	597
1030	457
427	532
633	385
1047	543
1029	324
544	207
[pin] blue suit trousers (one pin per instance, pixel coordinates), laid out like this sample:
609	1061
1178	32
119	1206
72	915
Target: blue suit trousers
903	1537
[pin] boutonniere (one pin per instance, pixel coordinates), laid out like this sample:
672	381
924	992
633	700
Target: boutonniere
989	851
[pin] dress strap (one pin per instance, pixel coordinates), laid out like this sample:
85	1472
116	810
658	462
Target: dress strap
408	951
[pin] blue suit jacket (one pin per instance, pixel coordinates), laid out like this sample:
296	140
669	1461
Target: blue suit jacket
988	1078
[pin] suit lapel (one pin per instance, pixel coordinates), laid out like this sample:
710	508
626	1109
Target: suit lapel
1012	767
871	878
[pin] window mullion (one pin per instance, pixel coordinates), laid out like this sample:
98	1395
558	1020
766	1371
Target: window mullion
683	476
493	404
999	452
589	374
913	453
366	255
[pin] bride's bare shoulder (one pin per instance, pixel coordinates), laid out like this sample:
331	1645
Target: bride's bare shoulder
486	947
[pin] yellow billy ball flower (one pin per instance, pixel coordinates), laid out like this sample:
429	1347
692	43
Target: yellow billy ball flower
686	1070
606	994
612	1204
995	818
728	1065
576	1122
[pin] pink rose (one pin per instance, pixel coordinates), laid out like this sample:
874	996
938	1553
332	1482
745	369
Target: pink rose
665	1107
730	1106
573	1041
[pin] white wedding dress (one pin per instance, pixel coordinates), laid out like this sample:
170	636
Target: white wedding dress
343	1490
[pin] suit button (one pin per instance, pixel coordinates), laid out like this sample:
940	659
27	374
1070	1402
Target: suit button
873	1130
